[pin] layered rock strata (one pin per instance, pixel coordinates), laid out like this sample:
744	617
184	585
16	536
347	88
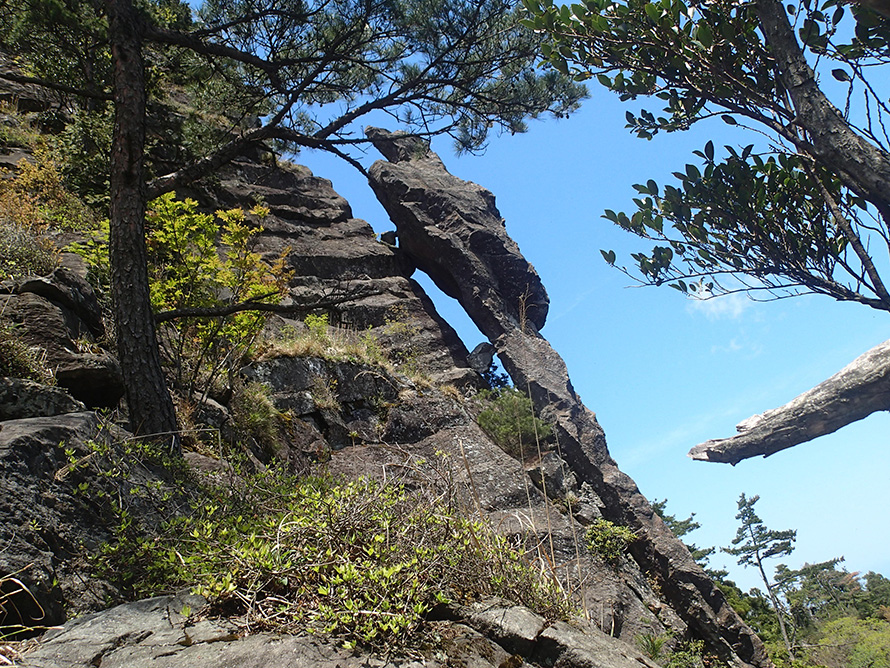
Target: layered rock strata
451	229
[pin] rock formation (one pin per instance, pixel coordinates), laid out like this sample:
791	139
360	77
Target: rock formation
452	230
855	392
374	422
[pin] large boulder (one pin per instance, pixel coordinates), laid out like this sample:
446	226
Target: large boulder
20	398
60	315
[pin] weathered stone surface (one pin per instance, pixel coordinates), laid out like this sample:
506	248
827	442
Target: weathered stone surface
65	288
338	261
55	509
464	246
514	627
60	315
154	633
21	398
453	231
565	646
158	633
34	531
856	391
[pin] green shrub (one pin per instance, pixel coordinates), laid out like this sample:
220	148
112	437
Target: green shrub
19	360
24	249
509	419
39	196
255	416
200	261
362	560
608	540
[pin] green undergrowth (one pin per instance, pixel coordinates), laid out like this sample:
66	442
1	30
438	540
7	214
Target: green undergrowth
609	540
508	417
358	559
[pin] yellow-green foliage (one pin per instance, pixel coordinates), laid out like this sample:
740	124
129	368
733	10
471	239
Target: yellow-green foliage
509	419
849	643
319	339
608	540
39	193
360	559
196	261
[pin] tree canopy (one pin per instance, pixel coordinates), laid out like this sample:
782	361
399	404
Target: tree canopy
806	208
803	209
305	74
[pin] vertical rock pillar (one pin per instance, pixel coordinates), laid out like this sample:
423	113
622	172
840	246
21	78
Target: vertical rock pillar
451	230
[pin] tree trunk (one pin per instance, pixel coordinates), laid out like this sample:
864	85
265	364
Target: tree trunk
863	167
775	601
151	408
856	391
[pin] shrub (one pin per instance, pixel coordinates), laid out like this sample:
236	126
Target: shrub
25	250
362	560
608	540
255	416
509	419
38	195
200	261
19	360
191	269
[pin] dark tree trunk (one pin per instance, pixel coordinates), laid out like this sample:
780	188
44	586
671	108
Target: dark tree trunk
862	166
150	405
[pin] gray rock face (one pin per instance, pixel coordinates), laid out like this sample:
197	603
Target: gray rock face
39	521
21	398
453	231
465	247
159	633
338	261
60	315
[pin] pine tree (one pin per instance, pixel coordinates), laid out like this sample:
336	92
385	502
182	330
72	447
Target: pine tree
753	544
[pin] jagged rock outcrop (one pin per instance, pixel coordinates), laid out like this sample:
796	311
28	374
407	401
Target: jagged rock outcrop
60	316
452	230
373	422
855	392
339	263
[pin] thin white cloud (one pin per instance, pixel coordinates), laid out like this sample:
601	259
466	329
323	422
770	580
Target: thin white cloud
730	306
736	347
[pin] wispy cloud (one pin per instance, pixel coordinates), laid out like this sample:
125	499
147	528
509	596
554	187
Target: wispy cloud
730	306
735	346
576	302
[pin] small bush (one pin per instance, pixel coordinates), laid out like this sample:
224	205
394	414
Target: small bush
25	250
200	262
509	419
608	540
255	416
361	560
39	196
19	360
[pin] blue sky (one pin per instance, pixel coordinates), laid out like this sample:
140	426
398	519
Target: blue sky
662	372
